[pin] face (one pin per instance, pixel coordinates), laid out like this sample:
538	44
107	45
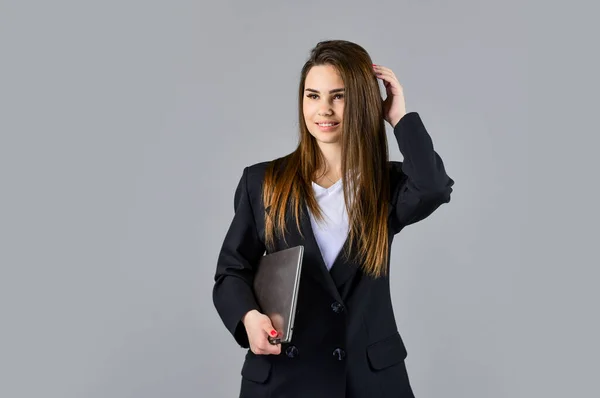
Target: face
324	102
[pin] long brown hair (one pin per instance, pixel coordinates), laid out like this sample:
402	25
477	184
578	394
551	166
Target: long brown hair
364	152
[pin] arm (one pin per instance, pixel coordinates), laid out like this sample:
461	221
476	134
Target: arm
424	184
233	295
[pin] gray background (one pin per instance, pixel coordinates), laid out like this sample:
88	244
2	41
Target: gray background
125	126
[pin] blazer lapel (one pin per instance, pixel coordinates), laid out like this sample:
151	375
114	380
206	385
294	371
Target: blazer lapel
313	259
343	270
313	264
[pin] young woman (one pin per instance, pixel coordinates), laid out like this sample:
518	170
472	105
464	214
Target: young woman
339	196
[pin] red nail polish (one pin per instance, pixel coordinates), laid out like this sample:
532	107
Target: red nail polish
273	333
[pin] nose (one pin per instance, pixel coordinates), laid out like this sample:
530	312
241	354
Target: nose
326	111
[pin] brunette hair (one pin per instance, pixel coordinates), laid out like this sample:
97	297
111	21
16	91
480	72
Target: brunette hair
364	163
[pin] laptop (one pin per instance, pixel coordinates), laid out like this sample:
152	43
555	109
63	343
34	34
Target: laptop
276	285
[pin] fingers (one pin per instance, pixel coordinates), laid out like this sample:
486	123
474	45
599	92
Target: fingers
259	337
267	326
261	346
269	349
383	71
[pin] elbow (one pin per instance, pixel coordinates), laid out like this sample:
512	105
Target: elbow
446	193
440	193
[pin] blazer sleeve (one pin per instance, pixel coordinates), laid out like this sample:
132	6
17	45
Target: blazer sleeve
424	184
242	248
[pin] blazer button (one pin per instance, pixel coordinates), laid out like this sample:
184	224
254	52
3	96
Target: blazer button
291	351
337	307
339	354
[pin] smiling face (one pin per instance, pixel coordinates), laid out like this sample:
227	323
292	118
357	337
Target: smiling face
324	102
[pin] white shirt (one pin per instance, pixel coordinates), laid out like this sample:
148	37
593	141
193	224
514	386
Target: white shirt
331	234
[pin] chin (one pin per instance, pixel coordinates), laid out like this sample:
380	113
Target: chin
326	139
329	140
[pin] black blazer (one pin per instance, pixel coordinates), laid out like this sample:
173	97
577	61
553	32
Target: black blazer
345	341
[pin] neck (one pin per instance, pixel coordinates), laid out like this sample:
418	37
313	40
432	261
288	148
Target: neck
333	158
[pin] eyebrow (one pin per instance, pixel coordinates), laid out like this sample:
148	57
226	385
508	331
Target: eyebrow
336	90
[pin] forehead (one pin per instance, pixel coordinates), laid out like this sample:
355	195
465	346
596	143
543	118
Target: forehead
323	77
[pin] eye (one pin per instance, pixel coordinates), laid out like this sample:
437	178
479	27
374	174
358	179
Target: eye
311	96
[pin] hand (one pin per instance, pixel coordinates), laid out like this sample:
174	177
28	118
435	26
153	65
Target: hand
259	327
394	106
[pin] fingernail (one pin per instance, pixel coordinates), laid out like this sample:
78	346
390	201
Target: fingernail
273	333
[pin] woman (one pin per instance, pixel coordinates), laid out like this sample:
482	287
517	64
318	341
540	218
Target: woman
339	196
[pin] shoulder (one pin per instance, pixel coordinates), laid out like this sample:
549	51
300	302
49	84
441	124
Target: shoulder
254	175
256	172
252	179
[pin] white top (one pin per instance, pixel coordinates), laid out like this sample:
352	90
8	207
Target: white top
333	231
